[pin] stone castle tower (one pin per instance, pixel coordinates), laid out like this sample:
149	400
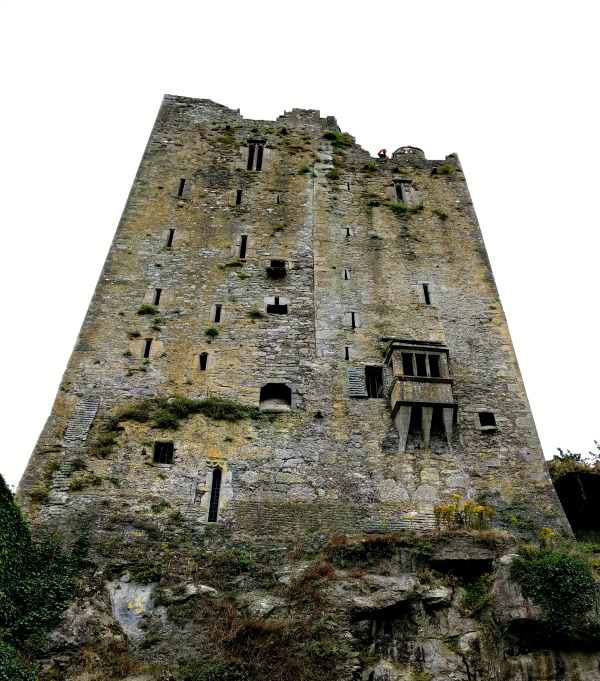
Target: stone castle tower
348	301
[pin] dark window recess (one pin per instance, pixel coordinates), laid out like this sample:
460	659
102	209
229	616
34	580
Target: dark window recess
203	361
243	246
348	185
217	314
259	157
426	294
434	366
275	396
346	274
407	364
277	198
170	238
487	419
163	452
421	366
347	231
277	269
181	186
277	308
147	348
238	197
157	292
250	157
215	493
347	353
353	319
374	381
399	192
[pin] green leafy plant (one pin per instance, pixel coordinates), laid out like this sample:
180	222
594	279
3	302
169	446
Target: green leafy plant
280	226
211	333
147	309
402	210
333	174
370	167
441	215
445	168
338	139
236	262
303	170
36	581
127	353
133	333
255	313
563	585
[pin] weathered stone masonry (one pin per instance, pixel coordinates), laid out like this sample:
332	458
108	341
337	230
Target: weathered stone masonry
398	305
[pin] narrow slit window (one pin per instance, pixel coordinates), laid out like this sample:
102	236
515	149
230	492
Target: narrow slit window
277	308
163	452
353	319
203	361
399	192
217	313
243	246
346	274
407	364
259	157
348	231
157	292
426	294
347	353
421	367
238	197
434	366
181	186
277	199
250	157
348	185
170	238
374	381
147	348
215	493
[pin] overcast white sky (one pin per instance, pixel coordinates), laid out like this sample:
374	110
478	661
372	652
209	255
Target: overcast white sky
512	87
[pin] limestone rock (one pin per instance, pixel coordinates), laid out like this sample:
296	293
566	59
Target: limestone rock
385	592
130	602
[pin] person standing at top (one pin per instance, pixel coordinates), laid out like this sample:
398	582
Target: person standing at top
382	153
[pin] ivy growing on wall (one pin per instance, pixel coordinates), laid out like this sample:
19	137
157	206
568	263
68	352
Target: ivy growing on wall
36	581
563	586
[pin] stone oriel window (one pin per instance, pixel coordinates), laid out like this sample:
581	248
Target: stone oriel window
163	452
421	364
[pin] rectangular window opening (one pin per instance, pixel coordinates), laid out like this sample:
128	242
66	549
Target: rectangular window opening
250	157
163	452
347	231
181	186
147	348
259	157
348	185
407	364
170	238
243	246
374	381
487	419
215	493
421	367
157	292
347	352
217	313
353	318
238	197
399	192
426	294
434	366
346	274
203	361
277	308
277	199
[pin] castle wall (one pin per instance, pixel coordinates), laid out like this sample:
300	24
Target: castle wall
333	461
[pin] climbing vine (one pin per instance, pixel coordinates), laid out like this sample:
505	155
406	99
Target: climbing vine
36	581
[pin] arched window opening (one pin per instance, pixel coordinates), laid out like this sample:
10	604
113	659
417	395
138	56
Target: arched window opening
215	493
275	397
203	360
